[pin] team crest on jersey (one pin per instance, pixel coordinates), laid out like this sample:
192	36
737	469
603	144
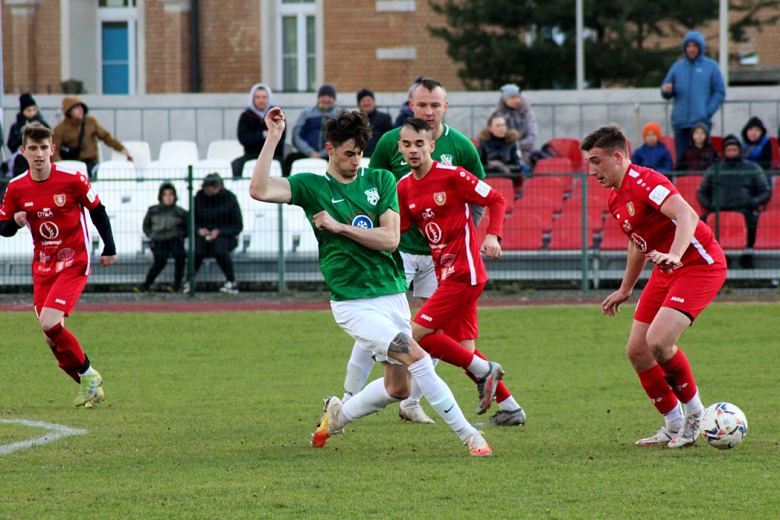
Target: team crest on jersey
440	197
60	199
630	208
363	221
446	159
373	196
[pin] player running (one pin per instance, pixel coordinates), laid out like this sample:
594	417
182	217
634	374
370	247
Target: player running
50	201
438	198
354	213
690	269
428	102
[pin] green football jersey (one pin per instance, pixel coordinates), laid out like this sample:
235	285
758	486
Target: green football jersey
351	270
452	148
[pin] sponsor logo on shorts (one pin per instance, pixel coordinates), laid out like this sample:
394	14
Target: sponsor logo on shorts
363	221
45	213
372	196
428	213
433	232
677	299
60	301
657	400
29	204
426	317
66	254
60	199
440	197
49	230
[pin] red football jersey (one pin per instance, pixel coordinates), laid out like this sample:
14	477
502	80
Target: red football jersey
439	205
56	219
637	208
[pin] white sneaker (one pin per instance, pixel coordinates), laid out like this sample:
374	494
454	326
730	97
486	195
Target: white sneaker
229	288
186	288
332	422
478	446
415	414
662	436
690	432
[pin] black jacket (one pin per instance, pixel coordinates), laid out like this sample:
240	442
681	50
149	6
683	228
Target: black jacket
380	124
15	134
165	222
759	151
505	150
218	212
252	131
736	191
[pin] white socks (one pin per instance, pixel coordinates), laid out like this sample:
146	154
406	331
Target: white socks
479	367
89	372
694	405
508	405
414	397
372	399
674	419
440	397
358	369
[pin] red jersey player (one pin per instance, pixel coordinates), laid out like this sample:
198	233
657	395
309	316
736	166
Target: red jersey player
437	198
690	270
50	202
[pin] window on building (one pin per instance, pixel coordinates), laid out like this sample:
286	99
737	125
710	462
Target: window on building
117	33
297	32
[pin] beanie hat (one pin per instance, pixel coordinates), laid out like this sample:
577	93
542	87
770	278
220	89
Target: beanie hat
731	139
26	100
509	90
363	93
652	127
327	90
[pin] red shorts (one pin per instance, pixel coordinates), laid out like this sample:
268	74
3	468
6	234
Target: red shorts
688	290
453	309
62	293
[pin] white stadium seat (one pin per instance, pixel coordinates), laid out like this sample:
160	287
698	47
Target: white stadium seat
75	166
166	170
128	235
226	149
365	161
249	168
139	151
182	152
318	166
221	166
117	170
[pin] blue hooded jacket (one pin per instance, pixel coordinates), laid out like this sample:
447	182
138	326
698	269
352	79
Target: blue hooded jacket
657	157
698	87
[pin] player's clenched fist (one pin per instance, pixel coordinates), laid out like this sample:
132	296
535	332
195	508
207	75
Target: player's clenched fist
491	248
323	220
274	120
21	218
105	261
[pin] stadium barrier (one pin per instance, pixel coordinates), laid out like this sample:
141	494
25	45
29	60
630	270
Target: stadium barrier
557	231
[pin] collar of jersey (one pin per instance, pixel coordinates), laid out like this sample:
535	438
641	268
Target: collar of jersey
329	177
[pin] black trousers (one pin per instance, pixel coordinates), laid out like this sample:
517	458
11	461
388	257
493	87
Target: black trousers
219	249
162	249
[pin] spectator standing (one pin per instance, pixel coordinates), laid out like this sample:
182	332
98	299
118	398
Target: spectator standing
218	223
653	153
380	121
252	130
76	137
697	87
517	112
758	146
743	187
166	226
406	108
28	113
498	149
700	154
309	130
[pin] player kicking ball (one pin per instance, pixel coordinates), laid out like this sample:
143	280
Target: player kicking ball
355	216
438	198
690	269
50	202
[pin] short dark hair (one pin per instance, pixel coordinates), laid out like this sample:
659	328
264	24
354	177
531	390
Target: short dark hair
429	85
418	125
36	132
163	188
212	180
608	137
348	125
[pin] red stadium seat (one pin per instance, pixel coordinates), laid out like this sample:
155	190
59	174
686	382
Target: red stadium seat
768	231
688	186
613	238
566	147
540	207
504	187
733	232
775	154
595	189
567	233
522	232
573	206
668	141
553	166
774	203
551	188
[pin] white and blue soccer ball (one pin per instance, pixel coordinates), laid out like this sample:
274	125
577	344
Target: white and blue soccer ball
723	426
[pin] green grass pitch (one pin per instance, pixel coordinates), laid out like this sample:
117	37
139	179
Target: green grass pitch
210	415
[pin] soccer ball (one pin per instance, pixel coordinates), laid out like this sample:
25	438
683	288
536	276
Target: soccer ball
723	426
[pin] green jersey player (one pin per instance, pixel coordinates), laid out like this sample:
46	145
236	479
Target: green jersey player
354	213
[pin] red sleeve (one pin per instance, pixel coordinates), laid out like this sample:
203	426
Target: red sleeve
406	215
479	192
654	189
10	205
86	194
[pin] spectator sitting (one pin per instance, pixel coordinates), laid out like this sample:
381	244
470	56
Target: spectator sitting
700	153
76	137
380	121
309	131
28	113
738	191
252	129
406	108
166	226
653	154
498	149
758	146
218	223
518	115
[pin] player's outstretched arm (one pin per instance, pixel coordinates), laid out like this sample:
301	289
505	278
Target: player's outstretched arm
382	238
683	214
103	225
262	187
634	265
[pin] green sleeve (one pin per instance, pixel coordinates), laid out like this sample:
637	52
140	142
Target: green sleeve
299	194
380	159
388	196
470	159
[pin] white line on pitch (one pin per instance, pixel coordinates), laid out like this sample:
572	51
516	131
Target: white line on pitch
56	432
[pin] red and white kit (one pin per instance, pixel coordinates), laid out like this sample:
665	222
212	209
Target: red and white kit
688	286
439	205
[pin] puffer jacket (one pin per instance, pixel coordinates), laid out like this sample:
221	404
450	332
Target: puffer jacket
165	222
738	190
760	150
656	157
521	119
505	150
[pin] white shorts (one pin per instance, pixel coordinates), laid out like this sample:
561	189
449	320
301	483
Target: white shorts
374	322
420	270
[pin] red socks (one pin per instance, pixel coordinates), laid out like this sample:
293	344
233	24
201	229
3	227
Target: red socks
67	350
443	347
679	376
657	389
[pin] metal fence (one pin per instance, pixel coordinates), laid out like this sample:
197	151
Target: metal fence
557	230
